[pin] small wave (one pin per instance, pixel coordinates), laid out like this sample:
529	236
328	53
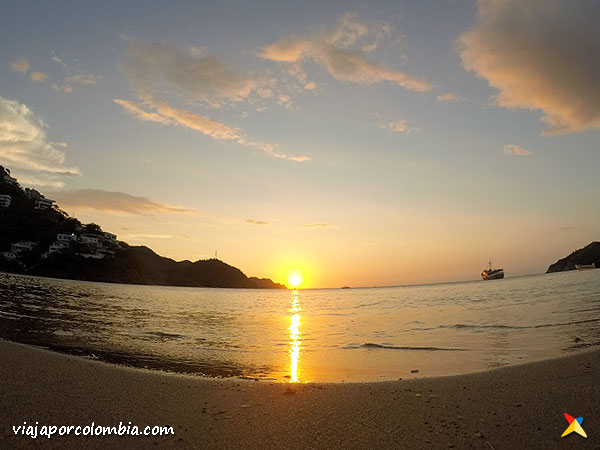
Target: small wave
464	326
163	335
371	345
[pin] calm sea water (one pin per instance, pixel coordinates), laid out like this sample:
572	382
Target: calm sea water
309	335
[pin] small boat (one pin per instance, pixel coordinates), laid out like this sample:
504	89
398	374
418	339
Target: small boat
345	287
492	274
584	266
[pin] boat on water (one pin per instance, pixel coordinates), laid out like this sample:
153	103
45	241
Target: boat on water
584	266
492	274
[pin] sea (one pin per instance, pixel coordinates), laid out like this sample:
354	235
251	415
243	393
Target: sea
309	335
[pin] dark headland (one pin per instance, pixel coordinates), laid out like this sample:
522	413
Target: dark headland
38	238
589	254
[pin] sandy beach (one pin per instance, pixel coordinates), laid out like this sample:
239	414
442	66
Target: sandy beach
508	408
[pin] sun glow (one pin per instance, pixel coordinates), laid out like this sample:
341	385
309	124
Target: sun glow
295	280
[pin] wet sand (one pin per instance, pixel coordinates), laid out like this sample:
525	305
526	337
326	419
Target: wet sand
517	407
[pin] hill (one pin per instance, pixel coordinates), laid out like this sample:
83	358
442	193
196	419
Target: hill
37	238
586	255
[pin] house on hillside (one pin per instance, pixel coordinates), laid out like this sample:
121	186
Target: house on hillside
43	203
66	237
20	247
89	239
112	238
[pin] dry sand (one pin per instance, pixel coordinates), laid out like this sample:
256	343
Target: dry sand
511	408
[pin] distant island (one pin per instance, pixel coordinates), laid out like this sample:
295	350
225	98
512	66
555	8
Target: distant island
37	238
586	255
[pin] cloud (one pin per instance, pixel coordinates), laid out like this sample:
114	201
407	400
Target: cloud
318	225
140	113
147	236
401	126
568	228
83	79
20	65
449	97
160	73
338	49
198	122
23	142
516	150
114	202
540	55
37	77
64	88
285	100
167	114
27	178
163	68
57	60
258	222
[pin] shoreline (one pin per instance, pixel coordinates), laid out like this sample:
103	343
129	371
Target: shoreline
438	283
519	406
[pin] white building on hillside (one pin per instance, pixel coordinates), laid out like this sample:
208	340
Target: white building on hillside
110	237
66	237
24	246
89	239
58	245
43	203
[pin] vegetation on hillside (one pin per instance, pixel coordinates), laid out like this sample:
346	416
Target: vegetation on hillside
21	221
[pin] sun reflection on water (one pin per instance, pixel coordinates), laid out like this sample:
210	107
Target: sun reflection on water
295	338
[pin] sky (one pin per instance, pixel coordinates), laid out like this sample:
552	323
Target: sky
358	143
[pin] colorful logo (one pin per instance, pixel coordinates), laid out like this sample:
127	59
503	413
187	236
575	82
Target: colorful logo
574	426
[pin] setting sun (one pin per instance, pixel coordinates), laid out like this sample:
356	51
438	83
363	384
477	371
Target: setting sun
295	280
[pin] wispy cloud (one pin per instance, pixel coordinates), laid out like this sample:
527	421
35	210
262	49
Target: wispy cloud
317	226
64	88
158	68
161	74
449	97
400	126
342	50
285	100
146	236
114	202
198	122
23	142
23	65
57	60
20	65
83	79
37	179
37	77
141	114
516	150
258	222
540	55
167	114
